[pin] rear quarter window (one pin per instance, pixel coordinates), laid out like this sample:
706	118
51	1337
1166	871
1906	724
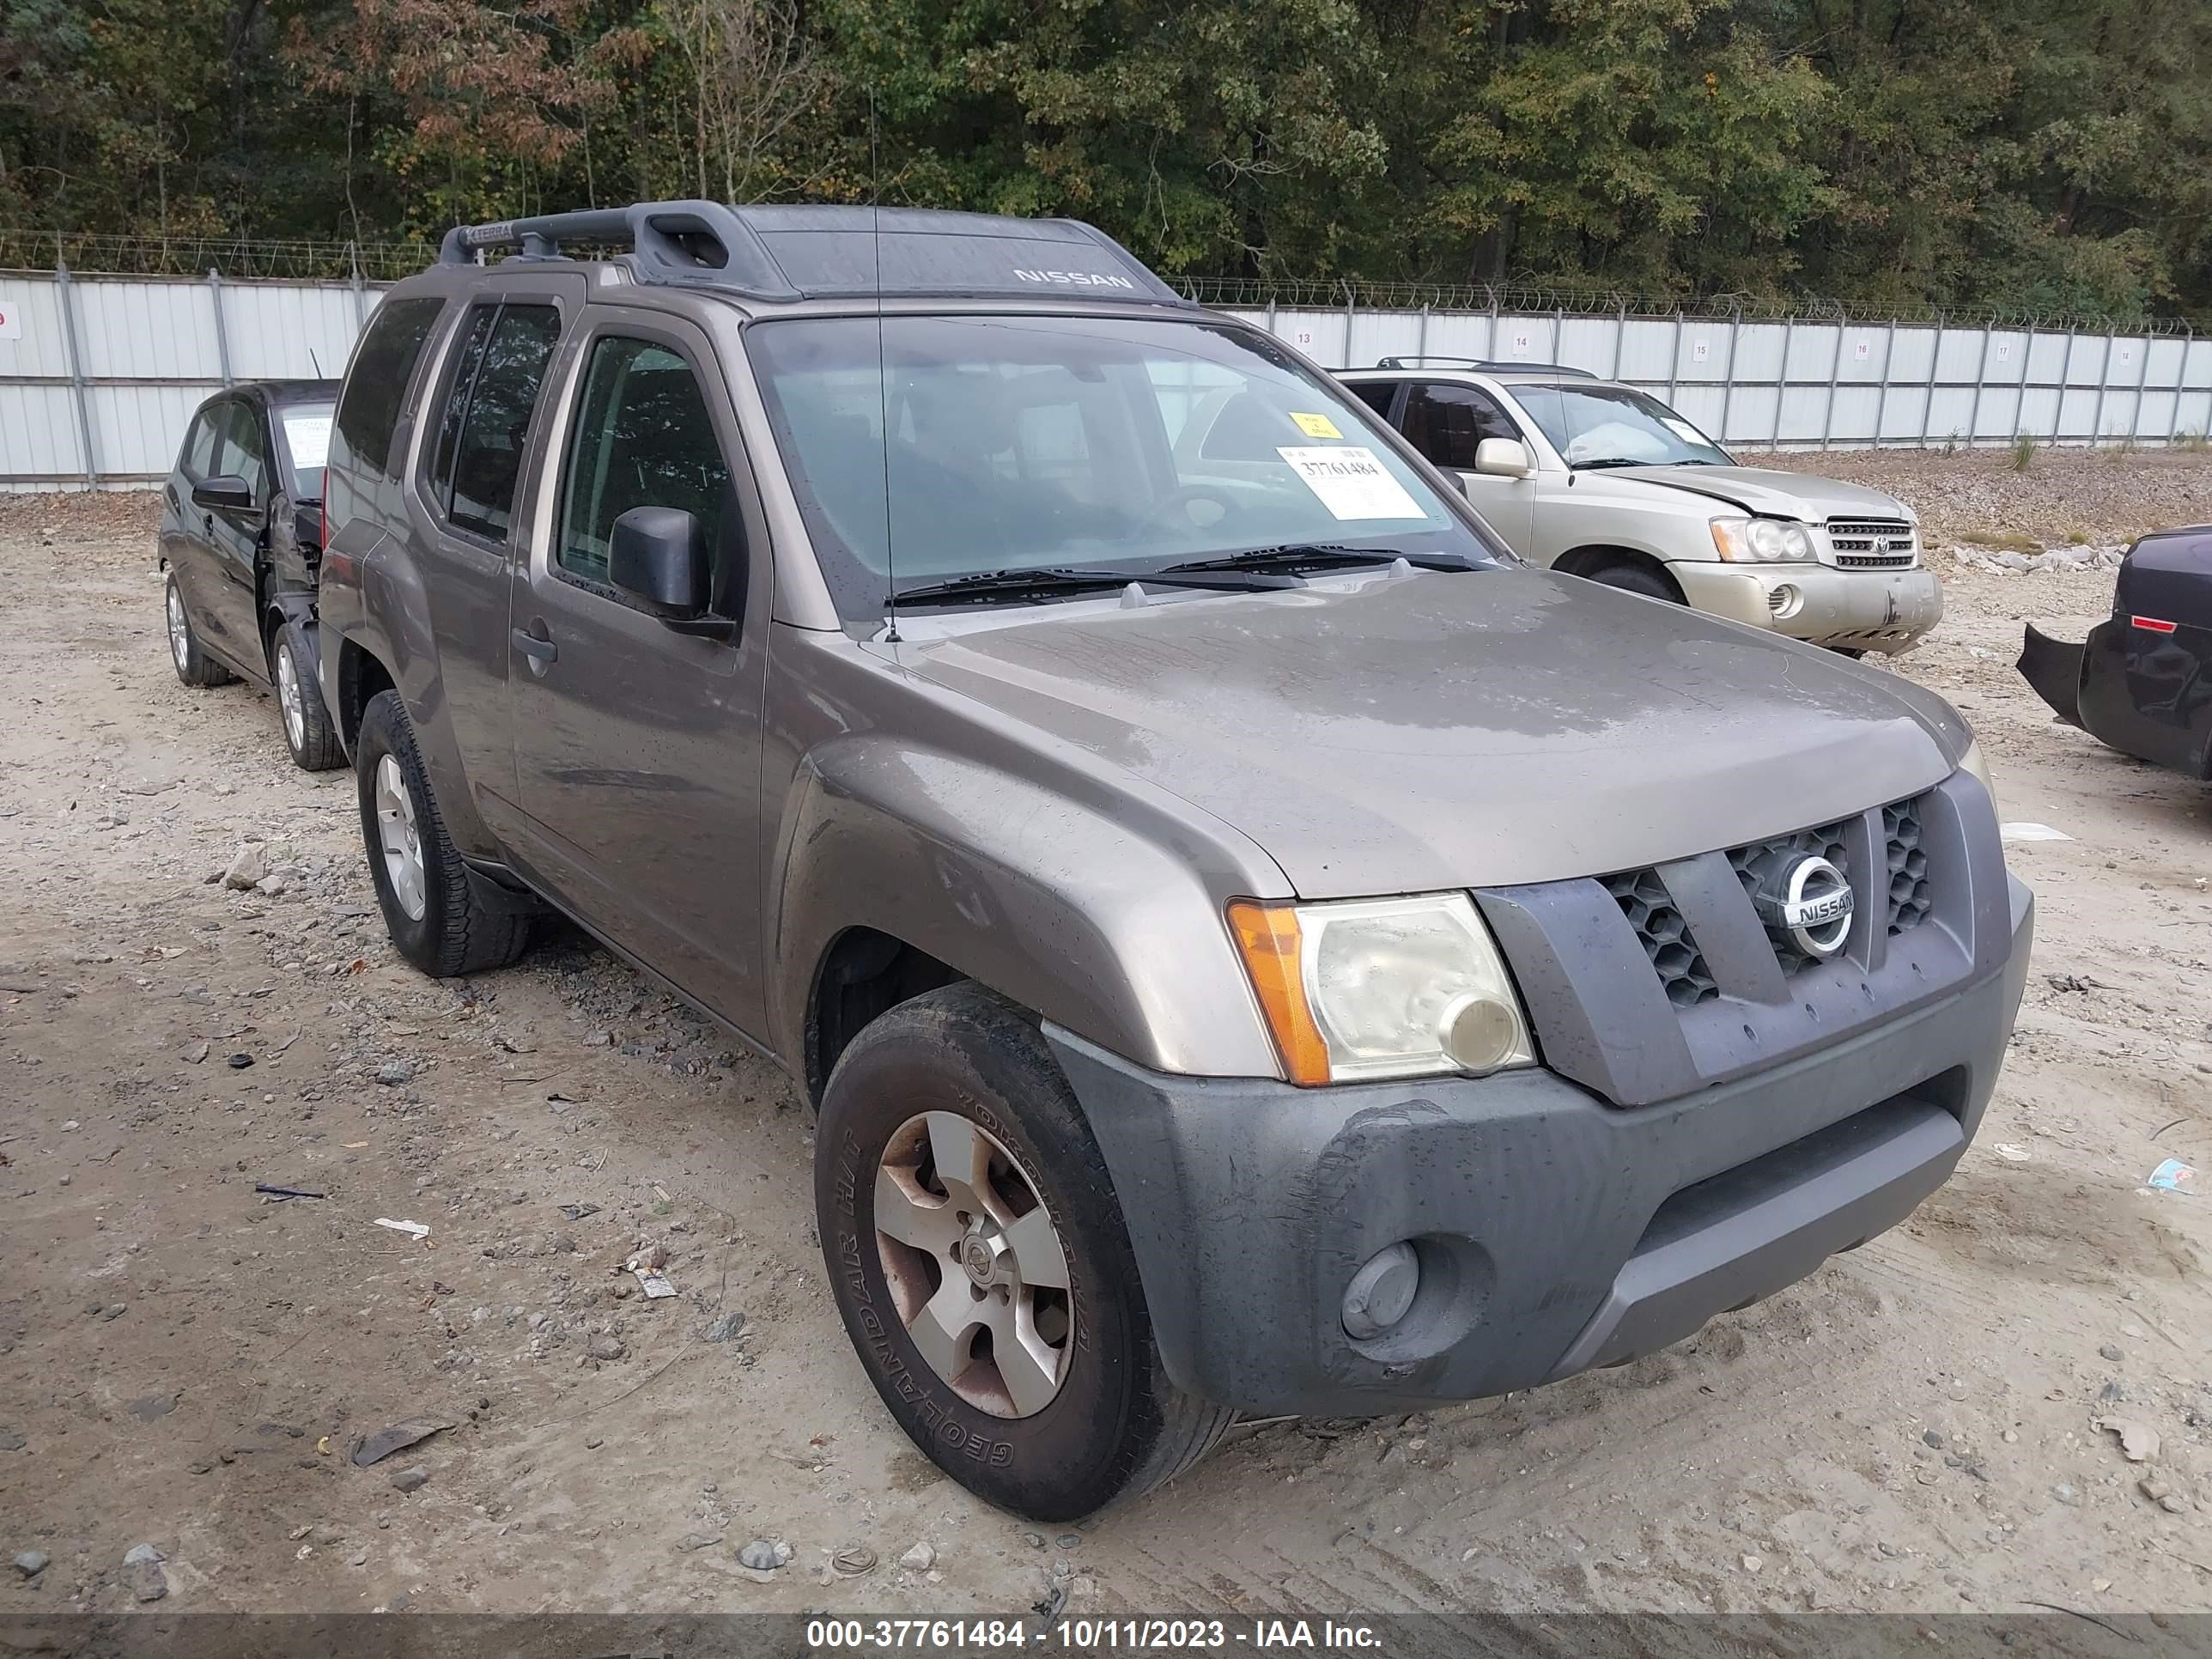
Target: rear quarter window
376	385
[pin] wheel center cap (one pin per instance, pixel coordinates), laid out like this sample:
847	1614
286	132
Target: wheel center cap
984	1255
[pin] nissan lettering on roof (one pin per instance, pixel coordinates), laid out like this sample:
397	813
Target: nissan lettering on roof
1076	278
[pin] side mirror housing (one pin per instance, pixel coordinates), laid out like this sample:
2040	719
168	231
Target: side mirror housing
658	556
1504	457
225	492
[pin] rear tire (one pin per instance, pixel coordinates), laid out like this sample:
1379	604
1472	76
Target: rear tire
1111	1425
431	908
308	732
1631	577
194	667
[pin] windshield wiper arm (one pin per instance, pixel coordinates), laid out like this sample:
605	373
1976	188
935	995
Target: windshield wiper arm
985	585
1611	460
1320	555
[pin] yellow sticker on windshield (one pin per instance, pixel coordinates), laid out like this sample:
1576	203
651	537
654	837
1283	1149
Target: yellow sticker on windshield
1315	425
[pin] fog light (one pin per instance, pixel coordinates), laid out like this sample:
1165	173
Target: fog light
1381	1293
1784	601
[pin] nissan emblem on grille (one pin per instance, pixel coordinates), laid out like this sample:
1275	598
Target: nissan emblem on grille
1809	907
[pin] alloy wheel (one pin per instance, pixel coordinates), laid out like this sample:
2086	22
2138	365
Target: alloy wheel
975	1263
400	840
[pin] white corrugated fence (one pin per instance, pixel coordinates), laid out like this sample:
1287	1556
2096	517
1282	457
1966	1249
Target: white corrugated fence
99	374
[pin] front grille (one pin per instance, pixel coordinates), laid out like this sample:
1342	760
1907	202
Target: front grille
1871	544
1665	936
1753	863
1898	883
1909	900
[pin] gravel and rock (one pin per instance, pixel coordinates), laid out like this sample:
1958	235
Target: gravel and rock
282	1331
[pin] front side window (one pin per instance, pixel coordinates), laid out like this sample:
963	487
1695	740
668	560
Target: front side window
376	385
642	437
200	441
1377	395
486	459
1598	426
1446	422
929	448
245	452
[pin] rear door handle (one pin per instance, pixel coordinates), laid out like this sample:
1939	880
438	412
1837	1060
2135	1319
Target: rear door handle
538	650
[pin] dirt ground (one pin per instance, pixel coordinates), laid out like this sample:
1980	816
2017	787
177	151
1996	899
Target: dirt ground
1927	1424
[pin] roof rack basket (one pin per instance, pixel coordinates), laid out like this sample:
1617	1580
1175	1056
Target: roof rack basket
670	242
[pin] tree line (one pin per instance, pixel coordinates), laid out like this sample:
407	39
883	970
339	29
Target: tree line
2045	155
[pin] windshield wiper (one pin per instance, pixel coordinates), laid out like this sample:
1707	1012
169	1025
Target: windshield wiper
1320	555
1611	460
988	585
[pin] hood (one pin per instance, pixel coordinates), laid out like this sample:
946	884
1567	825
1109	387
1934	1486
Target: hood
1413	733
1765	489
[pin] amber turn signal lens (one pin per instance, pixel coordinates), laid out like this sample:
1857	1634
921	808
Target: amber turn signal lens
1267	938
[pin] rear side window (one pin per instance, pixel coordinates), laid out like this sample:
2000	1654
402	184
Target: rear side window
245	452
487	421
376	385
199	443
643	438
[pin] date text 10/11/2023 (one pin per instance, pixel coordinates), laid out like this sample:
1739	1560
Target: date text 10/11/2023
1086	1635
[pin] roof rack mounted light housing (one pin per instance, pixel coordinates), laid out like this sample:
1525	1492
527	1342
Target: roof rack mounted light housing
1488	365
788	253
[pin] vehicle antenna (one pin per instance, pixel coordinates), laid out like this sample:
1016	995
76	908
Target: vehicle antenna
317	361
882	374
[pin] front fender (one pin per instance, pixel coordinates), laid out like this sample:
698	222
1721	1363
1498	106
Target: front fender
1085	921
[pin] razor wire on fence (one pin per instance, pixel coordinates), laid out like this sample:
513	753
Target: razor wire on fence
1535	297
235	259
245	258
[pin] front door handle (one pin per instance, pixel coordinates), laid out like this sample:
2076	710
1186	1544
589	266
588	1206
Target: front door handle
536	647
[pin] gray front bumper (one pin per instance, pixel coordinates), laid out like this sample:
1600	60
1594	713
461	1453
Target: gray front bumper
1556	1232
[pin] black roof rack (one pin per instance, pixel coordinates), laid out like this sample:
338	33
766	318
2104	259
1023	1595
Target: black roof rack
794	252
1486	366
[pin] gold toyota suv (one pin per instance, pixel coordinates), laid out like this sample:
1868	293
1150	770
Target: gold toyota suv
1602	480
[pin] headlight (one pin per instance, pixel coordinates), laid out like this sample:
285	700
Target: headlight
1763	541
1381	987
1974	766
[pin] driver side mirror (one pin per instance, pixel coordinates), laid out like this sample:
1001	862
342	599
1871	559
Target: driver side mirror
659	556
1504	457
225	492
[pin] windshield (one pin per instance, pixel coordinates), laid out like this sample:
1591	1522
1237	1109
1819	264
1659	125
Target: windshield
1614	425
307	441
1106	444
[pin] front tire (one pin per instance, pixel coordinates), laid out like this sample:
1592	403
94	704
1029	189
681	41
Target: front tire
432	909
194	667
979	1259
307	729
1631	577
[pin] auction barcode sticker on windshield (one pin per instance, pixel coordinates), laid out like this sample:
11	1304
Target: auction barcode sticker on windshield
1351	482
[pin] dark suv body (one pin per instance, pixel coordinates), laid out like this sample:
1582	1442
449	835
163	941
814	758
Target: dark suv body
241	539
1255	945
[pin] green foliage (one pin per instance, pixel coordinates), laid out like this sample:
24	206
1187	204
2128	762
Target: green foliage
2051	154
2023	450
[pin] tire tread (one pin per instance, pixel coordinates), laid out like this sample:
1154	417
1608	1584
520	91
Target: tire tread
466	935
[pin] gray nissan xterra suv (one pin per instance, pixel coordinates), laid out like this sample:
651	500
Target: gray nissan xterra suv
1255	945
